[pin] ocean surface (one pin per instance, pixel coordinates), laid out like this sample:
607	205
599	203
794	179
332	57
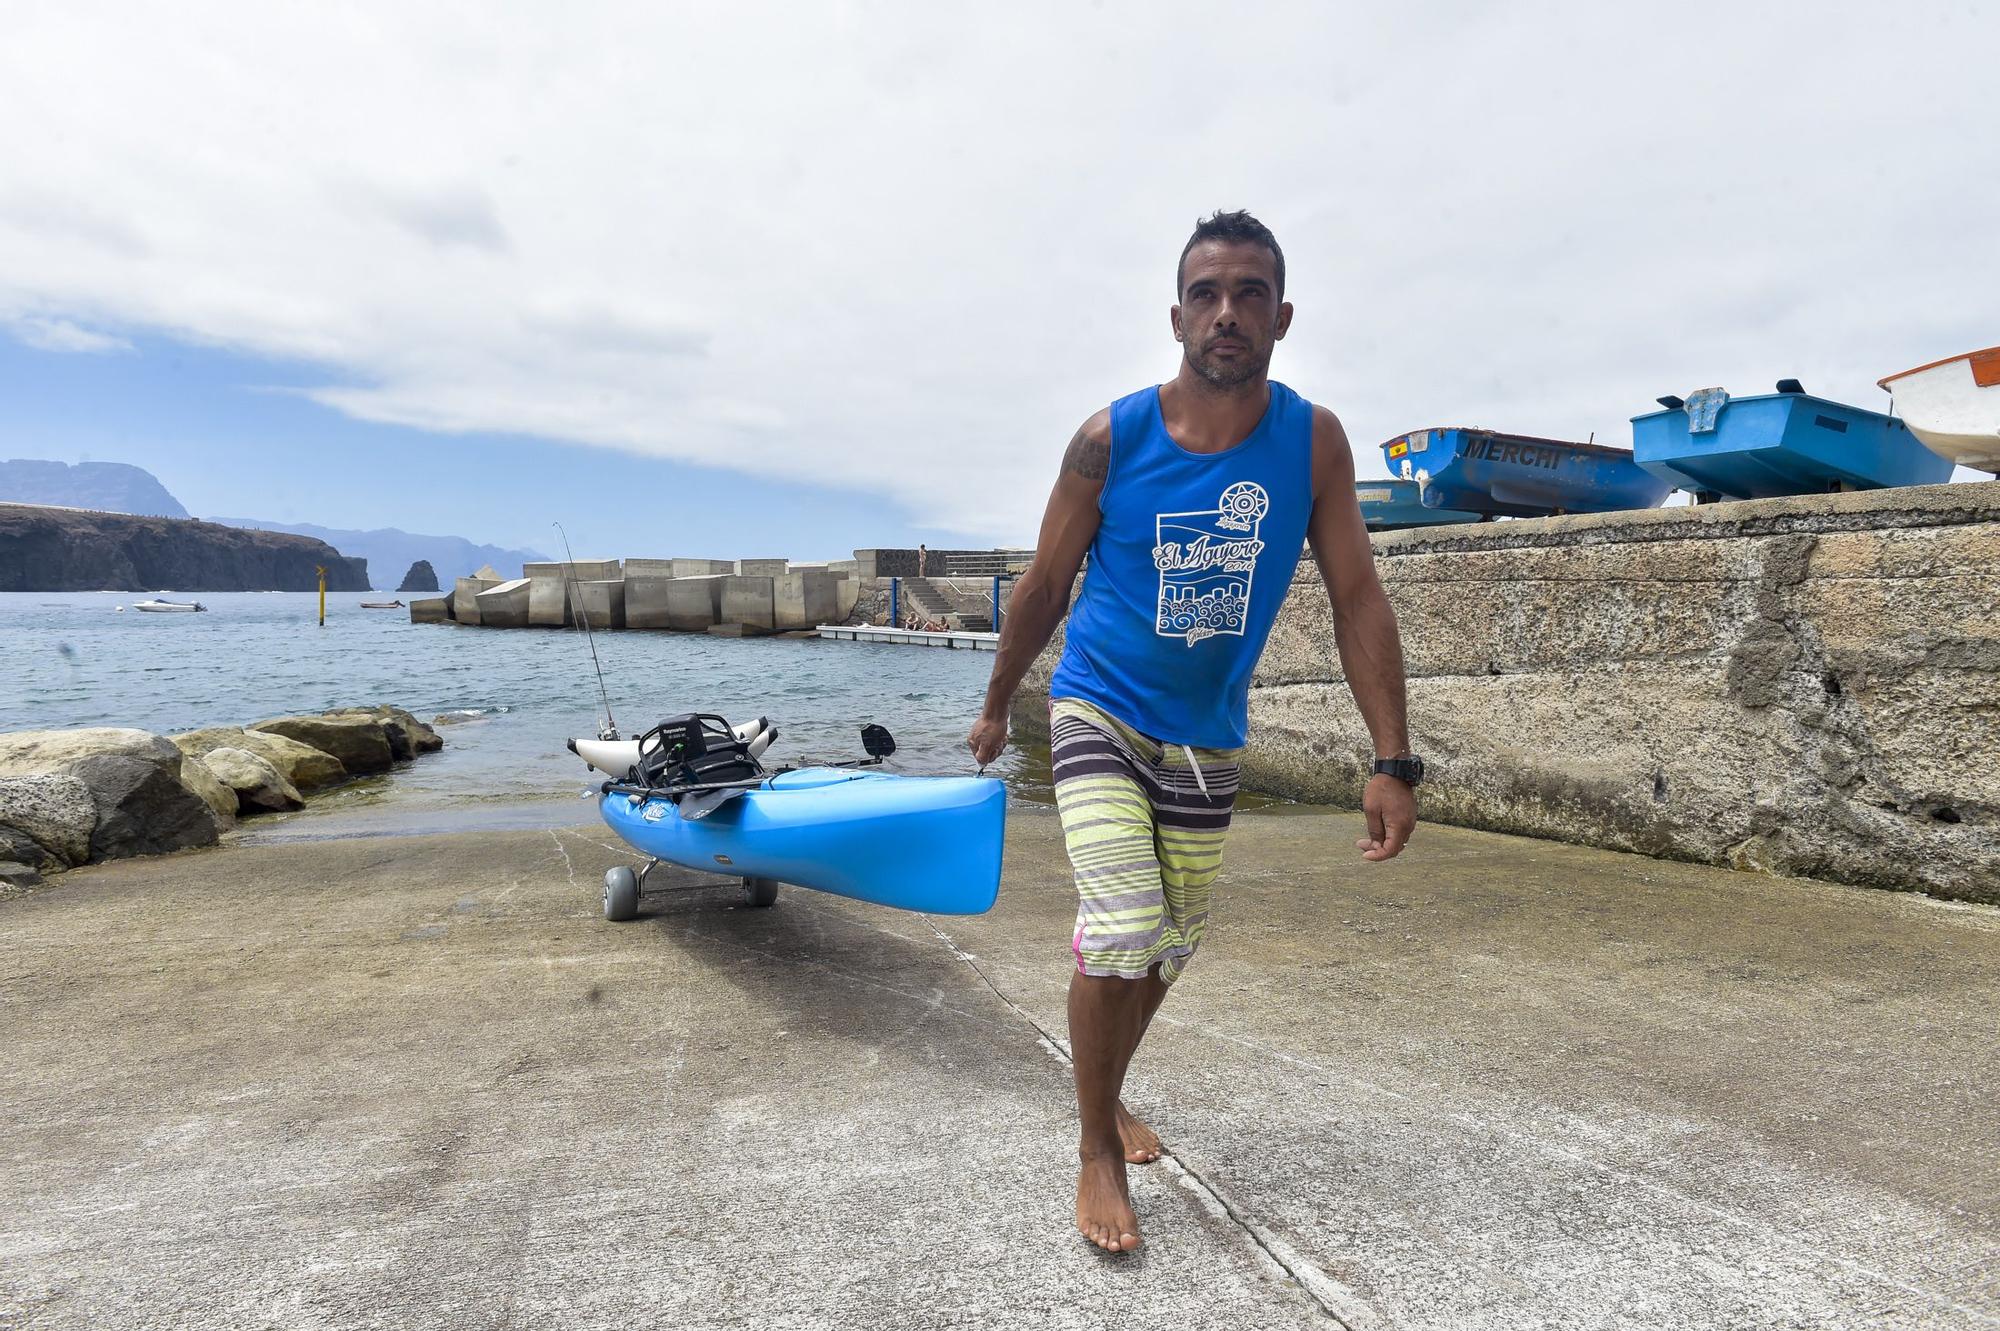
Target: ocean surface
510	697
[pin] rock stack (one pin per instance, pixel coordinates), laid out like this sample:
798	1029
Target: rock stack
71	797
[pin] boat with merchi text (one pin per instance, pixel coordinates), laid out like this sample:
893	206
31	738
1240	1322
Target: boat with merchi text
1491	473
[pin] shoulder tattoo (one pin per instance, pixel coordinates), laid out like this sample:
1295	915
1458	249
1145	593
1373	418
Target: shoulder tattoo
1087	457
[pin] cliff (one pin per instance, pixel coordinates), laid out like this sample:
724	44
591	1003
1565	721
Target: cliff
1805	686
70	550
116	486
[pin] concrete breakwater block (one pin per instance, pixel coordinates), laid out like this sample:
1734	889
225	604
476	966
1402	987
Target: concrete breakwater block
432	610
702	568
646	600
648	568
804	600
737	631
602	603
465	598
762	568
582	570
748	600
548	602
693	604
504	606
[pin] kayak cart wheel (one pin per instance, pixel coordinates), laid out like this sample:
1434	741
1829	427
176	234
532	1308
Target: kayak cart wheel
621	893
760	891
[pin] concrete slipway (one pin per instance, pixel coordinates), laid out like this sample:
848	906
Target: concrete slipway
417	1082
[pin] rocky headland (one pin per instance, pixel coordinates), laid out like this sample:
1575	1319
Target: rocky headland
71	797
74	550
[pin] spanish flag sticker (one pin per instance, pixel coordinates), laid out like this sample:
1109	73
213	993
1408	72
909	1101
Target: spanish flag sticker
1400	447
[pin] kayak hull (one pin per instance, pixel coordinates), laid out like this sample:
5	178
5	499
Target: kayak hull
931	844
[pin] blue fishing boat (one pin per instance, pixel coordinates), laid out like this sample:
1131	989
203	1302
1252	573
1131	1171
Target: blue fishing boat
1513	475
1394	505
1783	443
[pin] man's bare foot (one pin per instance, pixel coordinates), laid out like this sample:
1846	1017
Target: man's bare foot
1142	1144
1103	1209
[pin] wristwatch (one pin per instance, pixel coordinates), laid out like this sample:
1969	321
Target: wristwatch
1409	769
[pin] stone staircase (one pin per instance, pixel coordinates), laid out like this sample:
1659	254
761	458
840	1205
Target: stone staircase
933	603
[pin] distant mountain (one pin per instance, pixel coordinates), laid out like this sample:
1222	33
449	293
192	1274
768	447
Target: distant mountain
115	487
388	549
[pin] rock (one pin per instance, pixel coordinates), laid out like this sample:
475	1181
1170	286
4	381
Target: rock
58	549
421	578
257	785
19	846
359	742
143	807
220	799
304	766
13	873
134	778
53	811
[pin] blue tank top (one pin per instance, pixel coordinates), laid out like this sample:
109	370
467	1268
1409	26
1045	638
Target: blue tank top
1193	557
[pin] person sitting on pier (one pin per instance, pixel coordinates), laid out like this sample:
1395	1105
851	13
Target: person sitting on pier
1192	500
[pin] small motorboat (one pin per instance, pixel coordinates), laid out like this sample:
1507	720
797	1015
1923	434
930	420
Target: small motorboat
692	792
1953	406
1395	505
1783	443
159	607
1492	474
381	605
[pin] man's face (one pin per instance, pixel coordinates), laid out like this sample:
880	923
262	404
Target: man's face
1230	317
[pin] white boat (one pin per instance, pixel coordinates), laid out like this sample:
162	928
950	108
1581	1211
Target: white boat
159	607
1954	406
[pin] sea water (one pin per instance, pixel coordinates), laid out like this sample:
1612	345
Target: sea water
511	697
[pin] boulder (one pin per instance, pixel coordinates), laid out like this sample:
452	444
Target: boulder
220	799
257	785
303	765
53	812
143	806
361	743
421	738
134	779
13	873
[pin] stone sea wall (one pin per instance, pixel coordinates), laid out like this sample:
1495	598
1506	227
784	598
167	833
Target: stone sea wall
1806	686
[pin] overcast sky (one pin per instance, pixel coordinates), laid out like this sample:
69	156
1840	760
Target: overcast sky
902	250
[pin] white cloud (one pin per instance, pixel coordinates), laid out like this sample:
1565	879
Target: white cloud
45	334
909	247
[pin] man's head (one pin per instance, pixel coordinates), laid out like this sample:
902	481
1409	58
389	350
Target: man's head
1231	289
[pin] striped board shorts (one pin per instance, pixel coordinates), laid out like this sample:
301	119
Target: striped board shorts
1144	824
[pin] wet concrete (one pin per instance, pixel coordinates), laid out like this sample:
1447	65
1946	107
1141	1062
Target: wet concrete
417	1081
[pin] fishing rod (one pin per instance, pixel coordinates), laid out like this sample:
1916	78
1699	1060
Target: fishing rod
610	730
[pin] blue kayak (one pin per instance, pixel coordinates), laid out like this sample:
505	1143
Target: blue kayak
930	843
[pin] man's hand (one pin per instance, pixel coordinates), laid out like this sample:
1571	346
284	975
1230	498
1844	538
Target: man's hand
1391	807
989	736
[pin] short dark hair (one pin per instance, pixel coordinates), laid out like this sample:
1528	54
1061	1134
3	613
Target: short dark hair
1236	226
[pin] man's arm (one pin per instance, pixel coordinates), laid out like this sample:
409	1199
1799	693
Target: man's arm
1364	629
1041	597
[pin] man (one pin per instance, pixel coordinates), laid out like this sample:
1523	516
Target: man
1193	500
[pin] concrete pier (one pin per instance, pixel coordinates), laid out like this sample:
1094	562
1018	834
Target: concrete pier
1495	1084
505	605
748	601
